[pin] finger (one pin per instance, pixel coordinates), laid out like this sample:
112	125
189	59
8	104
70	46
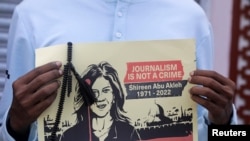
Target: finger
39	70
210	106
209	95
213	74
206	81
44	79
44	92
40	107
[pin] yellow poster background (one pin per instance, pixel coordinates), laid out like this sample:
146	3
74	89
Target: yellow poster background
118	54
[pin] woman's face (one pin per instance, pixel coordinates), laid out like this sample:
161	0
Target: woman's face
104	97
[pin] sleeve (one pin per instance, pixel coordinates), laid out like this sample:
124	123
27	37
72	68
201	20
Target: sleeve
20	59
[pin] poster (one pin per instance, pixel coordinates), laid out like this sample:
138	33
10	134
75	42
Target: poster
140	94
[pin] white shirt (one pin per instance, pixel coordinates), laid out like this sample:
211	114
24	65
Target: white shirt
40	23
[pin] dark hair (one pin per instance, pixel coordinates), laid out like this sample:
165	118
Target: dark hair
94	71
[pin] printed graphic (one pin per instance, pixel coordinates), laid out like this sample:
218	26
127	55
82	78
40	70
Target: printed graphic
142	96
154	79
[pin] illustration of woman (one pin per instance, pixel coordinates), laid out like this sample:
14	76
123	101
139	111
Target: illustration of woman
104	120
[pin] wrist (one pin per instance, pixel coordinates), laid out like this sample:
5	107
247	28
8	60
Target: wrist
16	135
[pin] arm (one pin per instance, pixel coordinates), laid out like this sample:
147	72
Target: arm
28	91
215	98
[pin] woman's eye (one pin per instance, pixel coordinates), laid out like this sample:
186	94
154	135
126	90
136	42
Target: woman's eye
106	90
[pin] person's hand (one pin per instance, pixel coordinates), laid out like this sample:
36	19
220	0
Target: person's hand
32	94
214	92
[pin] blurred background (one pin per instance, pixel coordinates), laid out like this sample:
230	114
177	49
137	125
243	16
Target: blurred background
231	24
